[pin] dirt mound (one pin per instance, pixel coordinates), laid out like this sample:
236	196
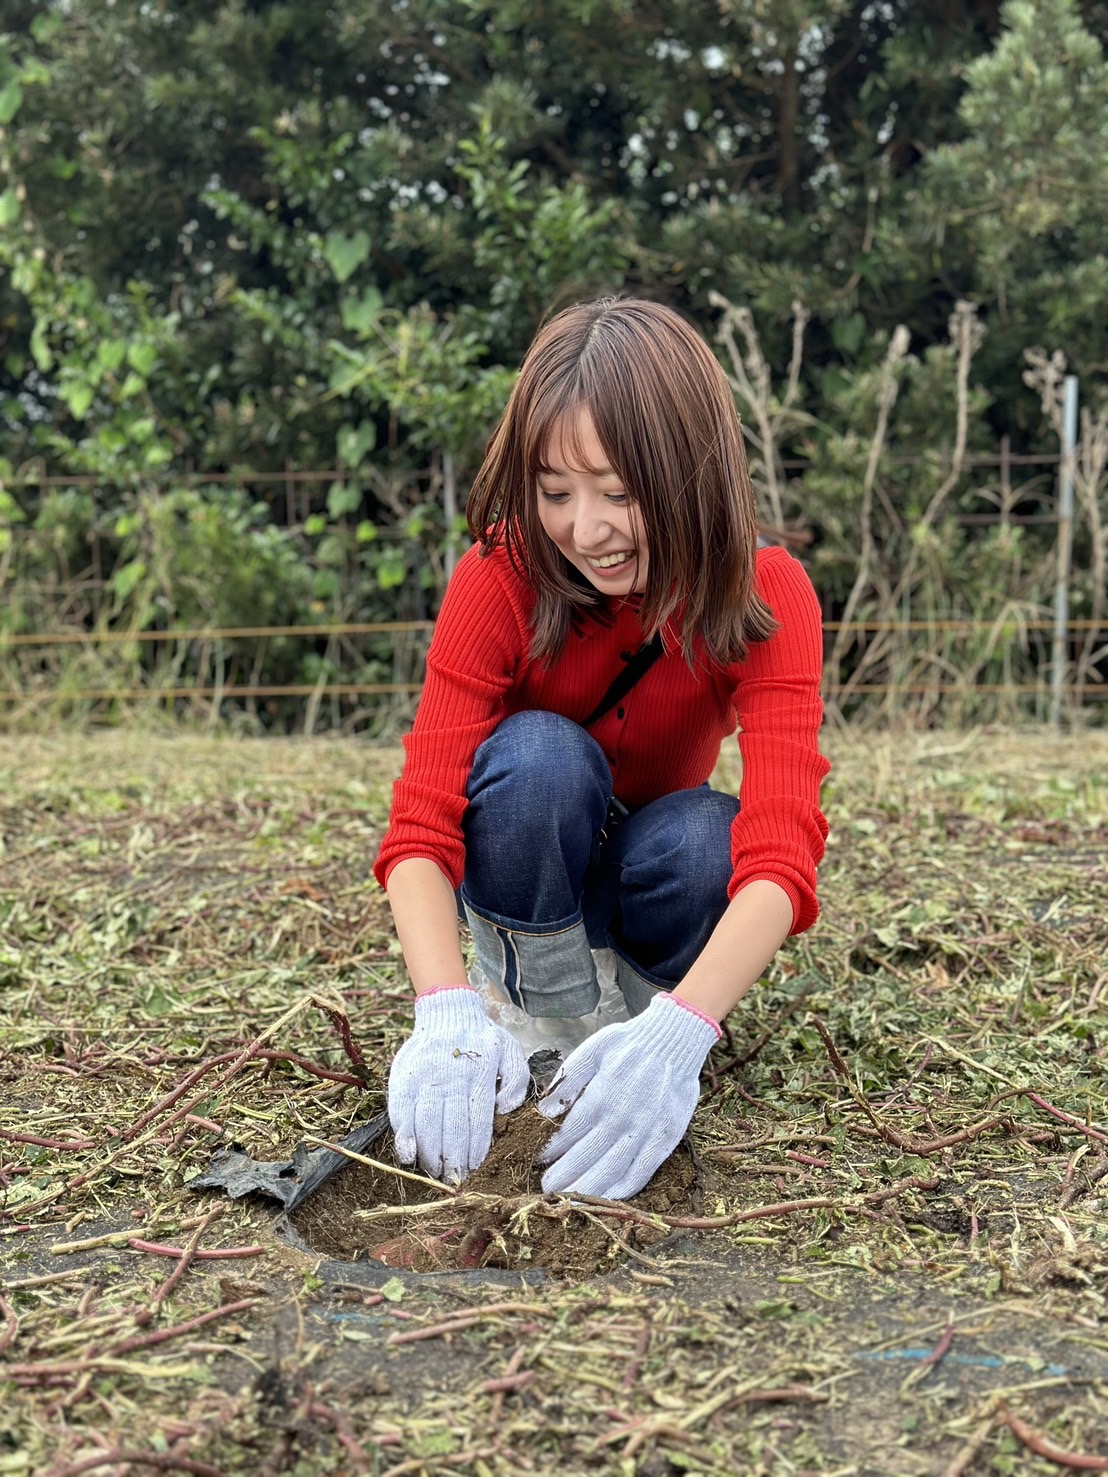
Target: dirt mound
498	1218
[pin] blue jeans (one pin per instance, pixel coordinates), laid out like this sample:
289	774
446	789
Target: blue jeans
548	878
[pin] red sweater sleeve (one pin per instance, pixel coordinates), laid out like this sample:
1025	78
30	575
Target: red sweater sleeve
479	644
779	833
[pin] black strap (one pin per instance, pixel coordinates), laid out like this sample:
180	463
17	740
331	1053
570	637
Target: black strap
639	664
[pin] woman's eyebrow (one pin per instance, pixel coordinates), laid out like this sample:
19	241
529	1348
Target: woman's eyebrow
564	471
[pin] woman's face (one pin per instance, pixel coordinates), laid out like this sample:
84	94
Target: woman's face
587	512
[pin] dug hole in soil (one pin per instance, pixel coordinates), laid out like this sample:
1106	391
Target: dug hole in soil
498	1218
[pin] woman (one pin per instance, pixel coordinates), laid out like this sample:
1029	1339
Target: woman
613	509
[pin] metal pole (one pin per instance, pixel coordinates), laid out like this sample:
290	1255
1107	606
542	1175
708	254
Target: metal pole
449	512
1065	548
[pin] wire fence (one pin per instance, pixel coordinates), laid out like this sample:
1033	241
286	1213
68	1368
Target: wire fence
70	645
214	635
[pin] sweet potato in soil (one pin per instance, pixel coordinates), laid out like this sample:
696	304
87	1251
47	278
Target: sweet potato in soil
498	1218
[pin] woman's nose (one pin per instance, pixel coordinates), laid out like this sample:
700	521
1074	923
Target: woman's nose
592	527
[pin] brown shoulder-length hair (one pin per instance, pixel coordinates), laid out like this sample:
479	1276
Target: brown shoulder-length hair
666	418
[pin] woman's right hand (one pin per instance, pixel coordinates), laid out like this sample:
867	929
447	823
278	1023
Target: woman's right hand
443	1083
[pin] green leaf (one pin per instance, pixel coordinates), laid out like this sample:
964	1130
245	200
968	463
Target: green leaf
10	208
11	95
41	352
161	1003
391	572
392	1290
331	551
345	254
343	498
45	27
325	584
142	357
436	1443
774	1308
359	313
34	72
848	333
355	441
110	352
77	394
10	511
128	577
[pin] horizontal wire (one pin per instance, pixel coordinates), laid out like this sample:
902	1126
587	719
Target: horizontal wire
366	689
340	689
963	623
1082	689
964	626
214	633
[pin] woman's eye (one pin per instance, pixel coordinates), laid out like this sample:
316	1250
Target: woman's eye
552	497
619	498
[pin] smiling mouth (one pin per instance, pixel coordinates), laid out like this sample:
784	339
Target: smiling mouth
611	561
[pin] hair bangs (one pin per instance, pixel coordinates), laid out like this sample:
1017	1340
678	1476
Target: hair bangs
557	416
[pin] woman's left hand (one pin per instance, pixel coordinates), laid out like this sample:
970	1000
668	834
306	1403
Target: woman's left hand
630	1090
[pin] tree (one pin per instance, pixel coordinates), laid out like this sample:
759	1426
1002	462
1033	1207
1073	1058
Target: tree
225	183
1025	193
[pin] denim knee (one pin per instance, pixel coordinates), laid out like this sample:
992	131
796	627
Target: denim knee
538	794
692	827
536	753
674	867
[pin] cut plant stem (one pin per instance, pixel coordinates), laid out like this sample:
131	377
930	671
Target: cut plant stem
404	1174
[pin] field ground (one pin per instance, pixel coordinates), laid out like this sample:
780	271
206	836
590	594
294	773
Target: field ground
897	1261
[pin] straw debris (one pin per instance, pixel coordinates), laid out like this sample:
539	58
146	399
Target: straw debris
898	1261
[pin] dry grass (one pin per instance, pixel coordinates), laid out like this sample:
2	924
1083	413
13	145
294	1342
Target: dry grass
901	1263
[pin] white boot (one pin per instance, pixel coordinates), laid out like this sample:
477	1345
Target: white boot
552	1033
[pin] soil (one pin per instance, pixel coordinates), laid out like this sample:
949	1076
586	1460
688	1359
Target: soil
499	1218
838	1306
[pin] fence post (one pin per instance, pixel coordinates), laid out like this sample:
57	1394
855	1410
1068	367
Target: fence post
1065	548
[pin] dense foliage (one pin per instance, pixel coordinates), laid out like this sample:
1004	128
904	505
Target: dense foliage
240	235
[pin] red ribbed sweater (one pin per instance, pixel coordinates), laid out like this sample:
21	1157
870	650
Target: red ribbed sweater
664	736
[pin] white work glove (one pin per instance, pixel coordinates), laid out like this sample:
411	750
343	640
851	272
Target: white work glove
443	1083
631	1090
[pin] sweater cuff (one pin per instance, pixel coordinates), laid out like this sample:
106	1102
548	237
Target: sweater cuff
383	868
805	906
